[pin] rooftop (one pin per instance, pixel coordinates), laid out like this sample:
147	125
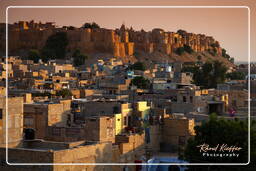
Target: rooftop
42	145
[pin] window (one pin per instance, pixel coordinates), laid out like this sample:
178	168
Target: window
234	103
184	99
191	99
125	120
1	113
175	40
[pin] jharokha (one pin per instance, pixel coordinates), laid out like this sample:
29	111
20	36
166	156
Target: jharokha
119	42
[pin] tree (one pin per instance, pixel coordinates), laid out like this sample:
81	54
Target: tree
182	32
220	131
34	55
95	25
208	75
71	28
55	46
224	52
64	93
199	58
236	75
92	25
188	49
185	48
213	51
78	58
232	60
225	55
180	50
141	82
138	66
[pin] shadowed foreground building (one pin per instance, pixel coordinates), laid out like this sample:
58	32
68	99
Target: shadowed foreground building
127	148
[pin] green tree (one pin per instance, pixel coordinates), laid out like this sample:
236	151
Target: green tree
199	57
181	32
64	93
55	46
208	75
78	58
224	52
225	55
71	28
215	45
34	55
138	66
185	48
236	75
141	82
232	60
199	60
220	131
180	50
213	51
188	49
92	25
95	25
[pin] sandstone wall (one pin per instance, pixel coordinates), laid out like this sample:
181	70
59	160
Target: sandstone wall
15	121
120	42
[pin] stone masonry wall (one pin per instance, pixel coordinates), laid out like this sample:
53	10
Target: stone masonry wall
120	42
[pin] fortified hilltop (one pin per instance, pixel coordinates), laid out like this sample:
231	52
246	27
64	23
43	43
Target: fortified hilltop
122	42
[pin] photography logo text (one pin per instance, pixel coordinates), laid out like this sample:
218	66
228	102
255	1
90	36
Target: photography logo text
219	150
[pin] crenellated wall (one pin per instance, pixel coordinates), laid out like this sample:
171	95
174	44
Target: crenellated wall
120	42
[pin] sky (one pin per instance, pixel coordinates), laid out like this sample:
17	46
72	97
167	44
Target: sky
227	25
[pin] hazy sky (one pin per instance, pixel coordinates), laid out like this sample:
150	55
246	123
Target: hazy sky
228	26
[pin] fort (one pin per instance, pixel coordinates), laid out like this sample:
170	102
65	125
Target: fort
122	42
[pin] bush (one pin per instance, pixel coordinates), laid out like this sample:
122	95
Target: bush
34	55
141	82
78	58
188	49
236	75
92	25
208	75
55	46
138	66
219	131
180	50
185	48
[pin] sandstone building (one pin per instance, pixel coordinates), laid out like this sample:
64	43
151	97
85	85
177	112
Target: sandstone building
121	42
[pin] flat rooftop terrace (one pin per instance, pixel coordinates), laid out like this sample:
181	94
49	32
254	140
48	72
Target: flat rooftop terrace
43	145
